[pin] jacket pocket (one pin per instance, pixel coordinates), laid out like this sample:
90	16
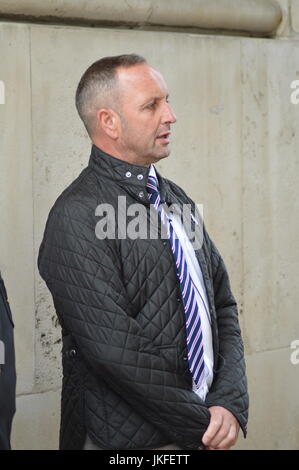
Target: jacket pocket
5	301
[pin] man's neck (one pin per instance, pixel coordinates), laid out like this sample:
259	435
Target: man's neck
124	156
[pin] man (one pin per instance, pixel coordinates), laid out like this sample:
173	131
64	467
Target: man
7	370
152	350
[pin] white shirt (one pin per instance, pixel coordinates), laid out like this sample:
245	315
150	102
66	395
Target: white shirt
200	293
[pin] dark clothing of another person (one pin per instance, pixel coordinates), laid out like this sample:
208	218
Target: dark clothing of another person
7	370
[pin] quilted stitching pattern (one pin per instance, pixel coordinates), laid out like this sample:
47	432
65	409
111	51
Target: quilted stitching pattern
129	385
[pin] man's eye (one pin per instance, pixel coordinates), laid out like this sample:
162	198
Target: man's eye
152	105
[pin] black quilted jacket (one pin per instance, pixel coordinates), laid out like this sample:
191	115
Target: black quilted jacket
125	372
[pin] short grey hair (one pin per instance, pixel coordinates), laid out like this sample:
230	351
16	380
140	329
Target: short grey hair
98	84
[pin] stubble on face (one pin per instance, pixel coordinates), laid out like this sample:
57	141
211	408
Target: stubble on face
143	152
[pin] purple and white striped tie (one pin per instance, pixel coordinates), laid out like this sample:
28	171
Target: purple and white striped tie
192	315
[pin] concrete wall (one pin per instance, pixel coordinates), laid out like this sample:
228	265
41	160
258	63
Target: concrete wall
255	16
234	150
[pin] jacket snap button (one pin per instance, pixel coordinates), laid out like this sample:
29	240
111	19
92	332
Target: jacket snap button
128	174
178	299
140	177
165	243
185	358
72	352
141	194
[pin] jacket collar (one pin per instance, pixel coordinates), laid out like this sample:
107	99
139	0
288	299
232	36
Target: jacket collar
132	177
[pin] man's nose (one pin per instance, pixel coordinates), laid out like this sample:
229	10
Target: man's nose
168	114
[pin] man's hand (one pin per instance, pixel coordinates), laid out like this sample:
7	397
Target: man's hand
223	429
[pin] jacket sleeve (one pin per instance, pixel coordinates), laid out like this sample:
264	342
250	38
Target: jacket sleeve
229	388
84	278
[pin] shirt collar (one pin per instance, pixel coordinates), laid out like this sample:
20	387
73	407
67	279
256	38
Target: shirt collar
152	172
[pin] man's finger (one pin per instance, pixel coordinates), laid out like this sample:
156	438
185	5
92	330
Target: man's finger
221	435
230	439
213	428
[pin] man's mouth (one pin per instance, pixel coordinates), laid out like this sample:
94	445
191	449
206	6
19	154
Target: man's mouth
164	137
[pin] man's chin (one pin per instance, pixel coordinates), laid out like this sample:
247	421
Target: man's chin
160	157
162	154
156	156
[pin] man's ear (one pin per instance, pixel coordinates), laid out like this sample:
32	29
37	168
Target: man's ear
108	122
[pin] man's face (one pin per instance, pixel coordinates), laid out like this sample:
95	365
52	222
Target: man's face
146	114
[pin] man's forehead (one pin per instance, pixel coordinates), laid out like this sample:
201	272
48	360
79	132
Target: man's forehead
141	75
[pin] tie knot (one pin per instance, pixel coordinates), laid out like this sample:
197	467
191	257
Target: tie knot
152	189
152	183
